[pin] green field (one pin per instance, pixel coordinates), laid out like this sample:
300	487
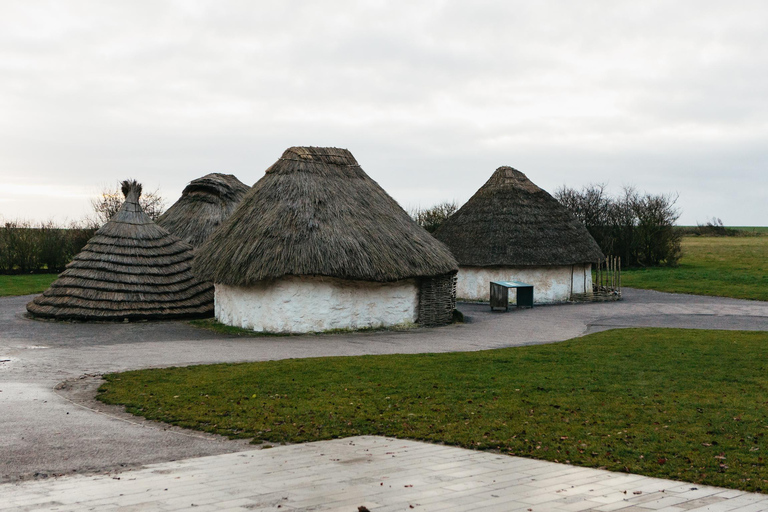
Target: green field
25	284
680	404
722	266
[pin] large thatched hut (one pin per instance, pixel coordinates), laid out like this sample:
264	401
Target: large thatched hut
130	269
317	245
204	204
512	230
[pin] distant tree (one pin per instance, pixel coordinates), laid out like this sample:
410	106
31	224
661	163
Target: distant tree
431	218
106	204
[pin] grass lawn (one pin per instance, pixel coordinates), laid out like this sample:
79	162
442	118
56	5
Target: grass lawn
682	404
722	266
25	284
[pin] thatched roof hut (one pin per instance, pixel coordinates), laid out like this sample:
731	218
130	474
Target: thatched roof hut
204	205
512	223
317	213
130	269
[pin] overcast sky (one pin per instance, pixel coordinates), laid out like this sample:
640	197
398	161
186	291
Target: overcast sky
430	97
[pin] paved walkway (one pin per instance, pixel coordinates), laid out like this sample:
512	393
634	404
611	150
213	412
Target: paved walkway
377	473
47	432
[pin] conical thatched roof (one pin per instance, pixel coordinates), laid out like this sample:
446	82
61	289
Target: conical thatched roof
131	268
316	212
204	205
512	222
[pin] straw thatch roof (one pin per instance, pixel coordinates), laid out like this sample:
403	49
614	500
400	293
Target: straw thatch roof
204	204
512	222
316	212
131	268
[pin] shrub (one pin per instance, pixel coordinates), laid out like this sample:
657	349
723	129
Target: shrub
20	246
44	247
51	246
639	228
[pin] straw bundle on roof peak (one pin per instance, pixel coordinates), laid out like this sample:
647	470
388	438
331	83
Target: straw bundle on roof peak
129	186
335	156
506	176
130	269
316	212
512	222
204	204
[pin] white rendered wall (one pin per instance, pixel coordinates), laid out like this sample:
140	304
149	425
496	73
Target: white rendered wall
550	284
313	304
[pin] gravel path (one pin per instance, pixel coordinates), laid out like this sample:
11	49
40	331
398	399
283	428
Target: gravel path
47	431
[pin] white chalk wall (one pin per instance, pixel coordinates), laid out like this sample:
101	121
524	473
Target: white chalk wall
313	304
550	284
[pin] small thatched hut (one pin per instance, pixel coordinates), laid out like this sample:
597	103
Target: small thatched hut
513	230
130	269
204	204
316	245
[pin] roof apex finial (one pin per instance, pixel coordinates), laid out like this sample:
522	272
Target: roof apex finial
129	185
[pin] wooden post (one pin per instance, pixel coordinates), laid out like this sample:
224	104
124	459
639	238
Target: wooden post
619	275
